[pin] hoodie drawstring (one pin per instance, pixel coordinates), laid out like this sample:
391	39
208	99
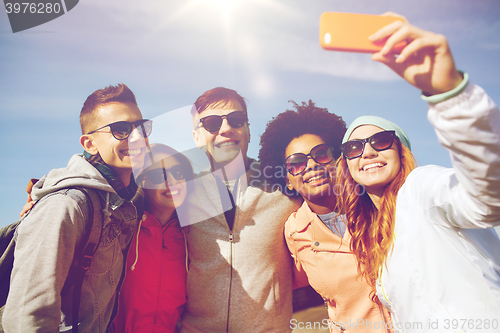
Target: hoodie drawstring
137	243
186	247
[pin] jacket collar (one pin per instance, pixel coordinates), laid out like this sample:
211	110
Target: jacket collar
305	216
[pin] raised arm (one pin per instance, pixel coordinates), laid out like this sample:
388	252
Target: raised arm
426	62
466	120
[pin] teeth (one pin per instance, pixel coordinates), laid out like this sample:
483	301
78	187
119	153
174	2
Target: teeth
225	144
174	192
315	178
131	152
373	165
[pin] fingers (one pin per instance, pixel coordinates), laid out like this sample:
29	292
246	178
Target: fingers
429	40
26	208
407	33
386	31
384	58
395	15
400	33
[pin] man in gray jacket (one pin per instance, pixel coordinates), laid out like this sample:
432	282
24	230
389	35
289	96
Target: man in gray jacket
240	271
52	234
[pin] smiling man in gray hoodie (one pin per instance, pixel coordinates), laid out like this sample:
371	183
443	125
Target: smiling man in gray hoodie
52	235
240	270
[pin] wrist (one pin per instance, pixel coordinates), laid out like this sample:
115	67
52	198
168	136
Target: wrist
439	97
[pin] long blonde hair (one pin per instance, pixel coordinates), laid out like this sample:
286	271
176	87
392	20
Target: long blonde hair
371	229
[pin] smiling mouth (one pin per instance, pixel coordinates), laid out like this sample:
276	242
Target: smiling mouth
317	178
131	152
172	193
372	166
226	144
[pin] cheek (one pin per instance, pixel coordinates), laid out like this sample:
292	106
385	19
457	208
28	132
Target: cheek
290	179
352	166
183	187
397	169
151	195
209	137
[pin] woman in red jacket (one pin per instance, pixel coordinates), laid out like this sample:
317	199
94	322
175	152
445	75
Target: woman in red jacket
154	290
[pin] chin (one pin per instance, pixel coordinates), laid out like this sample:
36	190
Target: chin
226	156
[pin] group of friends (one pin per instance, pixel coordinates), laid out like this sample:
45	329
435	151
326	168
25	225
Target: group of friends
390	247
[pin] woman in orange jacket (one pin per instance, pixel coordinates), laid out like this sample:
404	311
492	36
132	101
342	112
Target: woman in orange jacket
298	152
153	294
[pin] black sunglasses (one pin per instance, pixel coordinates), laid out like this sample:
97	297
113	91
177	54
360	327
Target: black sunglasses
379	141
159	175
212	123
122	129
297	163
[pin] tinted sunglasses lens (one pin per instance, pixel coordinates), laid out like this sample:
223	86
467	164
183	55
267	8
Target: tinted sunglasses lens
382	140
177	172
322	154
156	176
145	127
121	130
212	123
295	164
236	119
353	148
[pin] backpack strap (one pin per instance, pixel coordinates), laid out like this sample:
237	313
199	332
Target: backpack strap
7	244
77	274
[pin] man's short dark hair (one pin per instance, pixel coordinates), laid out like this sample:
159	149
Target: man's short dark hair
218	96
291	124
119	93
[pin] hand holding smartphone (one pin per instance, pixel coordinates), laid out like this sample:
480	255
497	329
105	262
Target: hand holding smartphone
349	32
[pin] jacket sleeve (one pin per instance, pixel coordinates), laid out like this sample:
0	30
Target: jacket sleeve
44	250
299	275
468	126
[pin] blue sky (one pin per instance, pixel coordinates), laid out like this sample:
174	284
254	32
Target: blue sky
170	52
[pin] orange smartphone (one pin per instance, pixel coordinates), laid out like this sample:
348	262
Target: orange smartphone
349	32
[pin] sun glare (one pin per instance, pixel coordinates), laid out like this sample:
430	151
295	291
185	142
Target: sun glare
222	3
224	6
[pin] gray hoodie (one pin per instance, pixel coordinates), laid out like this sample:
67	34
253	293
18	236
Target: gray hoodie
47	240
239	280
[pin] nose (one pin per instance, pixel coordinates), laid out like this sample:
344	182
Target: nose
368	150
171	179
225	127
135	135
311	163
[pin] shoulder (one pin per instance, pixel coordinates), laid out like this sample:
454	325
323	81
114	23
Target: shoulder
300	218
428	188
61	207
427	177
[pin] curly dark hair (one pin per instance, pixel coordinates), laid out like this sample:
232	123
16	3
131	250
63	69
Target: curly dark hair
282	129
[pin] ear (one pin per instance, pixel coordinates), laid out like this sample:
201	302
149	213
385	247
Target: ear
198	139
290	187
88	144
